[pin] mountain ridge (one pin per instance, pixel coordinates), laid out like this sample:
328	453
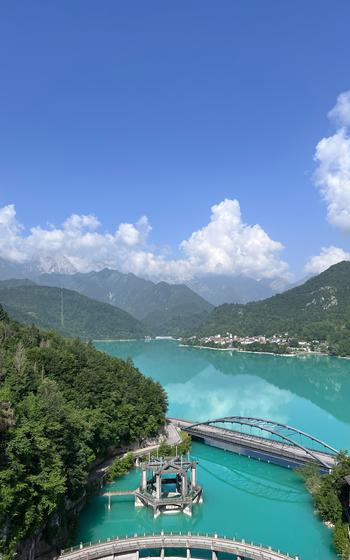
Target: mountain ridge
67	312
163	307
318	309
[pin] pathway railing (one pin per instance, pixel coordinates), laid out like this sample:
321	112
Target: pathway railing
214	543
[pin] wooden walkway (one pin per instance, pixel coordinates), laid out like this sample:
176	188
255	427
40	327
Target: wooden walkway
119	493
132	546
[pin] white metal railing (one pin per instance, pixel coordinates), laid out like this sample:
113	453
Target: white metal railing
99	550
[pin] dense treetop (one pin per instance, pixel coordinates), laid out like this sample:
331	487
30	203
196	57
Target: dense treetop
62	405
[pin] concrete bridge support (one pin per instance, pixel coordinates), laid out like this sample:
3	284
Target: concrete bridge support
194	475
144	479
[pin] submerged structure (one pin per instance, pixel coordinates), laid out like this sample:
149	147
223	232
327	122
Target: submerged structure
169	485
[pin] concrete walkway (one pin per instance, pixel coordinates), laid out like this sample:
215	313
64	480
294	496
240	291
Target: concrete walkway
132	546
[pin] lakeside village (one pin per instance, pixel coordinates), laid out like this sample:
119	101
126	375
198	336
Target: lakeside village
276	344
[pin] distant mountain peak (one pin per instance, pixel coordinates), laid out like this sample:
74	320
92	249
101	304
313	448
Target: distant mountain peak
59	265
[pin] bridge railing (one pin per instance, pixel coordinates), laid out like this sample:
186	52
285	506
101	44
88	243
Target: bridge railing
163	534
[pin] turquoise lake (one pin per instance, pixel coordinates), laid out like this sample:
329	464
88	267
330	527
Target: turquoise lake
242	497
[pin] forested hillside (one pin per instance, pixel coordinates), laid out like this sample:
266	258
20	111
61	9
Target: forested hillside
164	308
318	309
67	312
62	404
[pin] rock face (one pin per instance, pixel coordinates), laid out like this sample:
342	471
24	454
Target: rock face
32	269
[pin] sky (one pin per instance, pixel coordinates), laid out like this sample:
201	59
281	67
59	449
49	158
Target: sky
175	139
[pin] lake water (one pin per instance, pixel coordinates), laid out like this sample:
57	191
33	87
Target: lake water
242	497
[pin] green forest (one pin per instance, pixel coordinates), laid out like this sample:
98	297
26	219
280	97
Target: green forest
67	312
319	310
331	497
62	405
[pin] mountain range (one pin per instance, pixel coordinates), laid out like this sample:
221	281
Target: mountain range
220	288
318	309
67	312
214	288
164	308
111	304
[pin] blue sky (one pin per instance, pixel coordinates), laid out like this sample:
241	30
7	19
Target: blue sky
164	109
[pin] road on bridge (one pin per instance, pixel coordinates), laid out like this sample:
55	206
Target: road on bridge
242	443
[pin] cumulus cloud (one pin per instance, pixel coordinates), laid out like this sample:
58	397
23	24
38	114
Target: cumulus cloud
225	245
328	256
332	175
341	111
10	230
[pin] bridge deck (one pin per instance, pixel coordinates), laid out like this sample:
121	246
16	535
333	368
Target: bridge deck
245	440
119	493
134	544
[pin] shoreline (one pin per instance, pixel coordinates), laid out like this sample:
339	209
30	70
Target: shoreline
261	352
292	355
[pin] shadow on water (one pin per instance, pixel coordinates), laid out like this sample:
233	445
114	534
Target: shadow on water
250	485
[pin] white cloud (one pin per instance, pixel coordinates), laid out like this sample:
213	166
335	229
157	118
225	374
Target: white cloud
216	400
332	175
340	113
10	230
225	245
134	235
328	256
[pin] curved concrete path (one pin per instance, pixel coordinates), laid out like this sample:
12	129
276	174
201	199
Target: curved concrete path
130	548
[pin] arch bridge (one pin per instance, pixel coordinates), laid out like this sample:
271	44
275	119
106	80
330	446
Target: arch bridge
129	548
262	439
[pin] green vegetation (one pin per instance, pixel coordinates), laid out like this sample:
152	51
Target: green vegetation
62	405
331	496
317	310
166	450
166	309
120	467
67	312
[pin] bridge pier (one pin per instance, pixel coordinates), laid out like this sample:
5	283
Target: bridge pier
144	479
188	553
214	556
194	476
138	502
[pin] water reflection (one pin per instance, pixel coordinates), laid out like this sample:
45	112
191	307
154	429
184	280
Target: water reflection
209	398
310	393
